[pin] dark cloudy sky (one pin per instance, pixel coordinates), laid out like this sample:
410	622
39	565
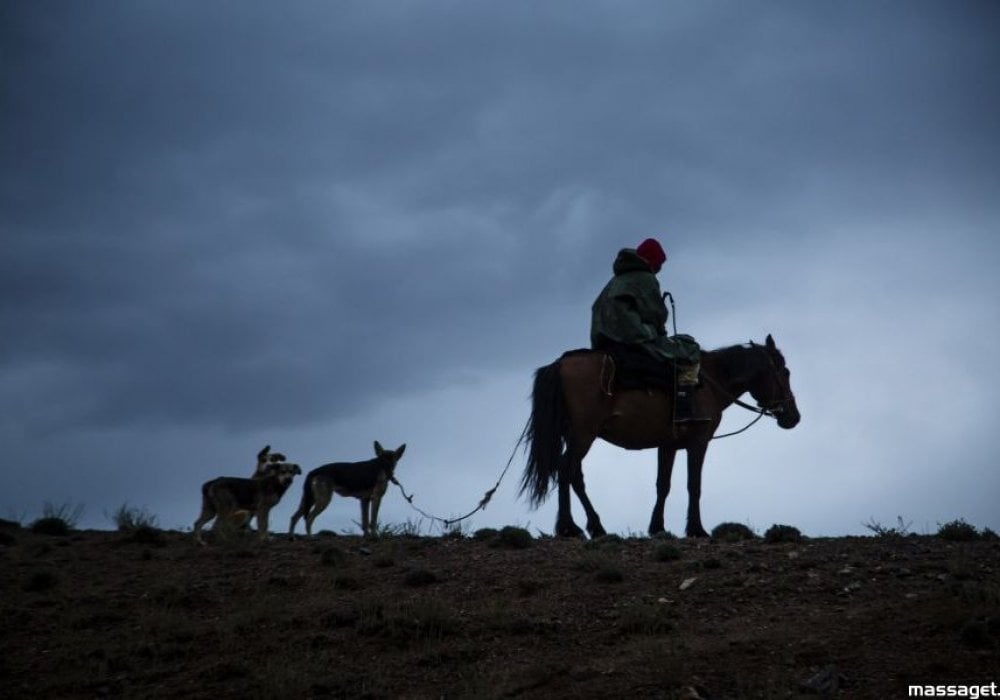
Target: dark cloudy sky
316	225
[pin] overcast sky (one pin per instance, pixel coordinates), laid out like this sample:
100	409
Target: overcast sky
320	224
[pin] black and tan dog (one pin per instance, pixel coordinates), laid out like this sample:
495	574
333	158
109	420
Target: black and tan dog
235	500
366	481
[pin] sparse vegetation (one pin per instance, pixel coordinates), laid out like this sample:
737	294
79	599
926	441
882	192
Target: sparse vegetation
782	533
485	534
958	531
610	540
405	623
129	518
603	567
514	538
328	617
667	552
645	618
732	532
57	520
902	529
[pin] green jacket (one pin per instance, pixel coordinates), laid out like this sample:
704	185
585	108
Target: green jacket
630	310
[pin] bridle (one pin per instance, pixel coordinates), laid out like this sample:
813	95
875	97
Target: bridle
773	409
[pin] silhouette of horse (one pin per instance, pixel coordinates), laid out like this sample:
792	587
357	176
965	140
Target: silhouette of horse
575	400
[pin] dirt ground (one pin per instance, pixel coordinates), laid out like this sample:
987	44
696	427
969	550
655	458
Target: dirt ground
105	614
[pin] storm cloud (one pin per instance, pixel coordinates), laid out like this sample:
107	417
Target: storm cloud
317	225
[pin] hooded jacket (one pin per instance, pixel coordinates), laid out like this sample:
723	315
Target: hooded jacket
630	308
630	311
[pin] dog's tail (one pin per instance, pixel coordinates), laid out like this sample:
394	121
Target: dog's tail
305	505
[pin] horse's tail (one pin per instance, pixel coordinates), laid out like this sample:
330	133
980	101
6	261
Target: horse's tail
545	434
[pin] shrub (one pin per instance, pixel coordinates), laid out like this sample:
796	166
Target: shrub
958	531
57	520
485	533
130	519
51	526
514	538
782	533
901	530
611	540
667	552
148	535
646	619
732	532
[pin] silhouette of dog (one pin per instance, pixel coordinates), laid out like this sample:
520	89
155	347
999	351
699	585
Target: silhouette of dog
366	481
234	499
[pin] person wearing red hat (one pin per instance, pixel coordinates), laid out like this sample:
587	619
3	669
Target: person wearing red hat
629	313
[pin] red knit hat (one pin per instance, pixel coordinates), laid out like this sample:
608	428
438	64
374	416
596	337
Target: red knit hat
652	252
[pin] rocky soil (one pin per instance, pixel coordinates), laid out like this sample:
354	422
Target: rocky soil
149	615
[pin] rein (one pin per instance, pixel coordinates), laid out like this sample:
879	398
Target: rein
771	410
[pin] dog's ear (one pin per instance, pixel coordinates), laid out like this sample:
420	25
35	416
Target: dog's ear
399	452
262	455
378	449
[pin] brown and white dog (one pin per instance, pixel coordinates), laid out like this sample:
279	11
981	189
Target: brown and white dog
265	457
235	500
366	481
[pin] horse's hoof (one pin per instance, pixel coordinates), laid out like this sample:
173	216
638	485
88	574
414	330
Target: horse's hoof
696	532
596	531
569	530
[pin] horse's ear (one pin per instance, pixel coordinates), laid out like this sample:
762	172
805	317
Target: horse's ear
378	449
262	455
400	451
770	342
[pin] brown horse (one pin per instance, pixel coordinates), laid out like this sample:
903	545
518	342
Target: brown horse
575	401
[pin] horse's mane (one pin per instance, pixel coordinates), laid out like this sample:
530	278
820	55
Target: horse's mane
738	359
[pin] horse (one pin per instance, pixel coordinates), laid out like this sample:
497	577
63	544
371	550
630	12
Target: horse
575	400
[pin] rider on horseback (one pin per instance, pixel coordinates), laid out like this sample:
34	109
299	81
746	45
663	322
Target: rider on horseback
630	312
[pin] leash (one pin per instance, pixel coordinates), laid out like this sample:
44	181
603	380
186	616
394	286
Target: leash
448	522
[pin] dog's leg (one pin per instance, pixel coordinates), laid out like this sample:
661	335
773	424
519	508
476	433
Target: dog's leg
207	513
262	514
376	502
365	527
321	499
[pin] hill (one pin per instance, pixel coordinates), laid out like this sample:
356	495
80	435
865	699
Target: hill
149	614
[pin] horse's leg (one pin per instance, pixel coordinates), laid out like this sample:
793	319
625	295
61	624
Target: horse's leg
565	527
696	458
594	526
664	468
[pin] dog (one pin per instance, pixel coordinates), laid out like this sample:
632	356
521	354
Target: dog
265	457
235	500
366	481
241	518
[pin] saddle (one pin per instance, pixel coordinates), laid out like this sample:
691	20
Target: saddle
634	369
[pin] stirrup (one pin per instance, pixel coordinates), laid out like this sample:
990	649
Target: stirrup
684	406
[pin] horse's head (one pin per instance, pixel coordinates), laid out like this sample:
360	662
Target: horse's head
772	388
